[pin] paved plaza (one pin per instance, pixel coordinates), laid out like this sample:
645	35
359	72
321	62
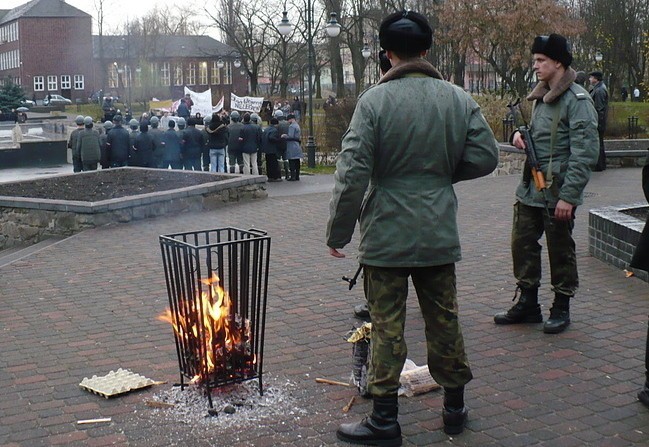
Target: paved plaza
87	304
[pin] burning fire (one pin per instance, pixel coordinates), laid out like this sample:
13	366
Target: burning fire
217	337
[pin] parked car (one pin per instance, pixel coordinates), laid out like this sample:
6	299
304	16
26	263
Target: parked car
56	99
27	103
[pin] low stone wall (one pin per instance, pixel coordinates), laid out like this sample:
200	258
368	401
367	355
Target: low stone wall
619	154
28	221
613	235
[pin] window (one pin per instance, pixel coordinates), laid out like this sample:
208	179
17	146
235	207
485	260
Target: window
51	83
39	83
112	76
227	76
153	73
202	73
79	82
216	73
65	81
178	74
164	78
191	74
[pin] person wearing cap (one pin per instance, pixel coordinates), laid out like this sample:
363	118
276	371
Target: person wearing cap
88	146
293	137
134	126
193	143
282	128
250	140
599	93
144	147
156	134
217	141
270	142
118	143
72	144
395	175
103	140
172	144
564	130
235	158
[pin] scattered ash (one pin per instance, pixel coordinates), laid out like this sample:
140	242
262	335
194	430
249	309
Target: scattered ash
237	405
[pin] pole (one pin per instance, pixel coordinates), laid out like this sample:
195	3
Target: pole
310	145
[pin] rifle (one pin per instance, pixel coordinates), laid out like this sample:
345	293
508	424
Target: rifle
352	281
532	170
534	166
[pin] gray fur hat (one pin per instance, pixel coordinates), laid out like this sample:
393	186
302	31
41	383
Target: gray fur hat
108	125
133	124
87	121
154	121
79	120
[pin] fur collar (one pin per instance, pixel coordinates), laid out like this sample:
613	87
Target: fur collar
543	91
411	66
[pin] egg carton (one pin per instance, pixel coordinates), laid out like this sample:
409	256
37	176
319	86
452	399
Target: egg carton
115	383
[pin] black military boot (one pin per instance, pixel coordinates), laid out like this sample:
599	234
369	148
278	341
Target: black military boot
526	310
454	413
643	396
380	428
559	315
362	311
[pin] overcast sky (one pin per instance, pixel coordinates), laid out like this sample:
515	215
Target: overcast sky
118	11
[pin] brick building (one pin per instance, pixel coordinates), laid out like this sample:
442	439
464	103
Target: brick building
46	46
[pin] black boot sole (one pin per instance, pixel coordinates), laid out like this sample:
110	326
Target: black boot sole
529	319
555	329
396	442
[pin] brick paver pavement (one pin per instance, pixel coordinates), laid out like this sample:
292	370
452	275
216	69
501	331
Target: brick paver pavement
88	304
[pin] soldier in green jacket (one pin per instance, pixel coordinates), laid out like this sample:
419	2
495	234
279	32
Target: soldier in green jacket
411	137
564	131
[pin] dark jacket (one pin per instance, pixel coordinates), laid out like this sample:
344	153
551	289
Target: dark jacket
599	93
172	146
282	128
251	134
270	140
143	149
118	142
234	129
72	142
217	136
183	110
103	159
158	151
193	142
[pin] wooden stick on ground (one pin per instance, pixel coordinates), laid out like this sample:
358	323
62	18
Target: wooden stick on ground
332	382
349	405
158	404
94	421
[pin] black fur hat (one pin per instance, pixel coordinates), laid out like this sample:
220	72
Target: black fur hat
406	32
597	75
554	46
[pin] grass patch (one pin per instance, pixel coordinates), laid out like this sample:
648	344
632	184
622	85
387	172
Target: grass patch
319	169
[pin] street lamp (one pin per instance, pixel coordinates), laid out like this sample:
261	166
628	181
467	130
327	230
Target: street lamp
220	63
366	51
599	56
333	29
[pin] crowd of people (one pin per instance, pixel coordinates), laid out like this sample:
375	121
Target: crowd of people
223	142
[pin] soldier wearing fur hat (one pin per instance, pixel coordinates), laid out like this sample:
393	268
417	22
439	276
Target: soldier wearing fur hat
599	93
564	129
395	171
88	146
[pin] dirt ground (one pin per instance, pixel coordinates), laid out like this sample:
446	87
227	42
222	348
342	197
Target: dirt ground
105	184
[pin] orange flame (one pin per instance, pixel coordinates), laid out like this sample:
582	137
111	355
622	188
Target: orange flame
208	326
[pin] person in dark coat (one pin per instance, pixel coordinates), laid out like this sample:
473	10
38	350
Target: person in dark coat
250	140
235	159
192	148
103	140
156	133
134	125
218	135
640	261
599	93
172	145
143	148
270	142
118	144
183	110
282	128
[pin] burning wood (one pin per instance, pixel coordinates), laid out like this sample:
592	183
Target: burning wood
213	333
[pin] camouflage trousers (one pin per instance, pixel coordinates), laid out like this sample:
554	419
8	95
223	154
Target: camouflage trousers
386	290
529	225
